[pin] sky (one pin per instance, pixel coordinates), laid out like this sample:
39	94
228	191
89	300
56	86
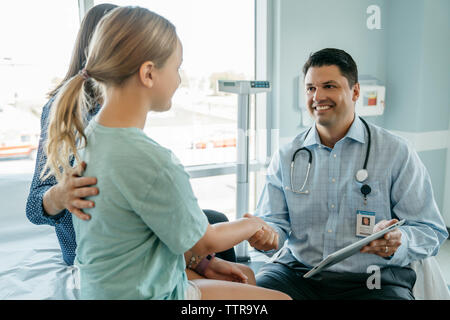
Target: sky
223	30
36	41
38	32
37	38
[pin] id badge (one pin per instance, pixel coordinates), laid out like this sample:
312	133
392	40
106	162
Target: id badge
365	221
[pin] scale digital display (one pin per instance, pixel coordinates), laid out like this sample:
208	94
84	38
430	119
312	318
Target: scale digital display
244	86
260	84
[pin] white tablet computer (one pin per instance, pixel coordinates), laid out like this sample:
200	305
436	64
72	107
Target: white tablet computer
349	250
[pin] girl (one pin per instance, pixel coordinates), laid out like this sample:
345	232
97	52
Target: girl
146	216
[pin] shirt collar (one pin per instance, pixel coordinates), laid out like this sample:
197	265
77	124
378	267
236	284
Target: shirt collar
312	138
356	132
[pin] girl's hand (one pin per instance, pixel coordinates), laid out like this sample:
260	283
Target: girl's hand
264	239
258	221
223	270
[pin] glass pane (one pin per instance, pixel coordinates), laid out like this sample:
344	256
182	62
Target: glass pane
217	193
35	49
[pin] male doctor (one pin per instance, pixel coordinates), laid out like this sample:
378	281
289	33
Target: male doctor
318	212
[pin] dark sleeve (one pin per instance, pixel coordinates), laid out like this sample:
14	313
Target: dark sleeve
34	209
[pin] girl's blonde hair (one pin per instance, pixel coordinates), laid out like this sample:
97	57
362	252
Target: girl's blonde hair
123	40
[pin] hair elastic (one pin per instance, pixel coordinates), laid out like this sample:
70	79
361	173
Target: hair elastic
84	74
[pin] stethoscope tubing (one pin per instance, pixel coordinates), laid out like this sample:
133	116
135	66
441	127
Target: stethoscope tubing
310	158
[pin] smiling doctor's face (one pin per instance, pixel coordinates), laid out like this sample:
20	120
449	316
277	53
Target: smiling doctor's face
329	98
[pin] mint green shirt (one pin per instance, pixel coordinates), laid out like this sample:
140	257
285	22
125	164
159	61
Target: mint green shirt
145	218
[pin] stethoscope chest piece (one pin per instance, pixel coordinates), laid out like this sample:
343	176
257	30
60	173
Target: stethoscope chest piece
362	175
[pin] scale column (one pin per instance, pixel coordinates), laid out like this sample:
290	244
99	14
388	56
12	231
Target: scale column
242	186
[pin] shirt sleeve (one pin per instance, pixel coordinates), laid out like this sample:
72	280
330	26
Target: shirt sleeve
34	208
412	199
272	206
171	210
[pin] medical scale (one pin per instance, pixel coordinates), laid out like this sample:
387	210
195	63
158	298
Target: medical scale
243	89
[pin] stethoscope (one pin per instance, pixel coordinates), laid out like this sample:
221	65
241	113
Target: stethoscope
360	176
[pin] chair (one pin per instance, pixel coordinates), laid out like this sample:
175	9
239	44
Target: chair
430	284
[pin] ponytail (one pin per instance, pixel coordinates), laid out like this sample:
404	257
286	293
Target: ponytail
66	127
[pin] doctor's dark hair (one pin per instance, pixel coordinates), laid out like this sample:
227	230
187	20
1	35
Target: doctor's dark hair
123	40
334	57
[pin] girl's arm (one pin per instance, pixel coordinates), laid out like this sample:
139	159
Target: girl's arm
222	236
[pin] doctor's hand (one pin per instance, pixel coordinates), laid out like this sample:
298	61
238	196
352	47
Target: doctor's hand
69	193
264	239
388	244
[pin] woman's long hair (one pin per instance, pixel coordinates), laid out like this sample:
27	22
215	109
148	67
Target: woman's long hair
123	40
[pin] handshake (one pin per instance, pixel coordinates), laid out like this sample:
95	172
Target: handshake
265	238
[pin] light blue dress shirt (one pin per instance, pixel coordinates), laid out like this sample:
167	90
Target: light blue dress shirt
324	220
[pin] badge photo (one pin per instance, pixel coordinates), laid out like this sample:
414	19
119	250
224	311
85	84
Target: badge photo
365	221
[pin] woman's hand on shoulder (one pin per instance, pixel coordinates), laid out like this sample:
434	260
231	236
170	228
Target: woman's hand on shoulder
69	193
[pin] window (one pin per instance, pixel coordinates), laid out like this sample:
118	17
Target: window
35	48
